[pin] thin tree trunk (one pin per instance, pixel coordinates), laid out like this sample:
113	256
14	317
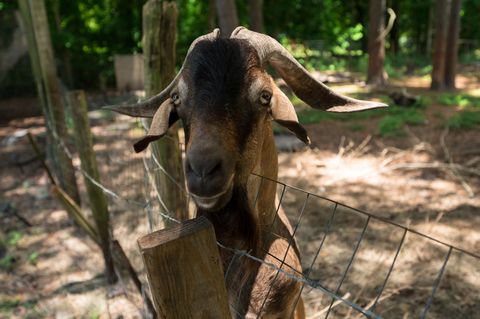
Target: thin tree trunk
65	54
440	45
227	16
451	56
212	9
376	43
428	42
159	30
255	11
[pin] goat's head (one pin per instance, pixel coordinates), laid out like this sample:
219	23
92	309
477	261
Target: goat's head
224	97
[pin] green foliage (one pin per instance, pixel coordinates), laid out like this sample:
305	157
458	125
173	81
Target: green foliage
10	305
32	258
464	120
311	116
10	240
356	127
390	125
13	238
459	99
90	32
6	263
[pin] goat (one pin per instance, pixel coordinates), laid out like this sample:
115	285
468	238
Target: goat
226	101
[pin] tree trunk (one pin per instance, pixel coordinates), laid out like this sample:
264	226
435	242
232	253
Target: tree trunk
227	16
440	45
428	42
159	31
255	11
212	9
67	73
452	44
376	43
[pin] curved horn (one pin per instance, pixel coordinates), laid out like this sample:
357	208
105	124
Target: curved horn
148	107
314	93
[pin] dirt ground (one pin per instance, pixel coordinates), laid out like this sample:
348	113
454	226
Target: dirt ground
50	269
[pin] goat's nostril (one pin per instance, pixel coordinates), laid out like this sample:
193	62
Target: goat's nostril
215	168
210	168
204	168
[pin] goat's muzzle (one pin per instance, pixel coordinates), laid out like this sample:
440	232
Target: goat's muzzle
209	176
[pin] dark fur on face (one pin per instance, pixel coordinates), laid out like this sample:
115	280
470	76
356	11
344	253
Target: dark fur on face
219	73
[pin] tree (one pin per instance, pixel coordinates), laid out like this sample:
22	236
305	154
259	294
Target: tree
376	43
227	16
211	14
451	55
255	11
440	45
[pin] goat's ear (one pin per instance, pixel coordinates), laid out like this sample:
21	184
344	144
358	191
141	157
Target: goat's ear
283	112
163	118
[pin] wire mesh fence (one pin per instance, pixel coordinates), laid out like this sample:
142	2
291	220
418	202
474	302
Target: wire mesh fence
355	264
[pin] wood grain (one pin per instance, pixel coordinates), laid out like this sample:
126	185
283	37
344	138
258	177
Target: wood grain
185	272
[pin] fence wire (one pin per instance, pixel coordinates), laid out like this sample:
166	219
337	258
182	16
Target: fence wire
330	211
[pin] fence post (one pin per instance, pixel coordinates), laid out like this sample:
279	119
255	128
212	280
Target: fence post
159	31
184	271
98	201
49	90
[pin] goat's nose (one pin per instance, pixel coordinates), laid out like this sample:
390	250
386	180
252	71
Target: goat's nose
204	165
204	162
206	171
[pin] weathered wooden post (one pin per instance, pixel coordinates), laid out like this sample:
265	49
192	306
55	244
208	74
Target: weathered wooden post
49	90
159	31
185	272
98	201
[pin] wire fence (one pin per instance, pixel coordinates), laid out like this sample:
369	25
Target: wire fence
355	264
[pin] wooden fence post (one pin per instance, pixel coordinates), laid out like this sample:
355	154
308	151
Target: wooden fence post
98	201
184	271
49	90
159	31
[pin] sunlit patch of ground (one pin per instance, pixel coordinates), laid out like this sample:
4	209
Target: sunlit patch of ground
382	183
55	269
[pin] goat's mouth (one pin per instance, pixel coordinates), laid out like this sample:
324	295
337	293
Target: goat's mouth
217	201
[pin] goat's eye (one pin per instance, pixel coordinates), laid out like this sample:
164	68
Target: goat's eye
265	97
175	98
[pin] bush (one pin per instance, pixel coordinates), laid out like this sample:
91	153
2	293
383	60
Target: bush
460	100
464	120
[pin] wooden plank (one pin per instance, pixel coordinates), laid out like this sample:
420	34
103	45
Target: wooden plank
49	90
185	272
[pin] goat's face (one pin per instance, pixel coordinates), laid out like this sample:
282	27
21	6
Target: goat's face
223	101
224	97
